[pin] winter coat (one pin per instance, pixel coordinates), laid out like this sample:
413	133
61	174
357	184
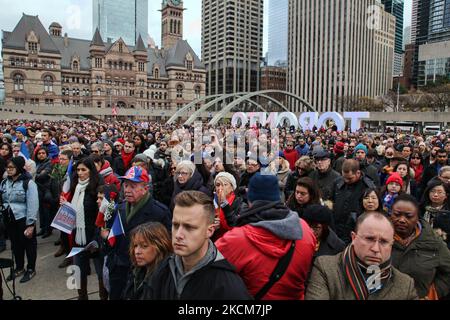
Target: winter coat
418	172
23	204
426	260
347	200
327	282
256	248
302	150
90	215
217	280
325	181
43	181
152	211
429	173
137	284
371	172
331	246
228	215
110	180
195	183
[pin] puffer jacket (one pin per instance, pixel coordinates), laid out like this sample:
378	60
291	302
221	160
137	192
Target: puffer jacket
325	182
256	248
23	204
195	183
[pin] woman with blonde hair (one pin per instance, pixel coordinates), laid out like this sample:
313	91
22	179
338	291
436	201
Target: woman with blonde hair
150	244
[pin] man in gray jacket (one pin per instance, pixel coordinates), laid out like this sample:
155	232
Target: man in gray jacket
363	271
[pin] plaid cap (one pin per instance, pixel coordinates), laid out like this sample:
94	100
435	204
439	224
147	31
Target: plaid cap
137	175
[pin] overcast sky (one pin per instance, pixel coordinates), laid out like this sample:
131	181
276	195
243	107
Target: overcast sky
76	17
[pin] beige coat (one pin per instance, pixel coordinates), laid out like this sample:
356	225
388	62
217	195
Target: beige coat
327	282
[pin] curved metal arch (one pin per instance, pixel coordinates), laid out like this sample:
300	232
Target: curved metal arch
183	110
196	114
235	103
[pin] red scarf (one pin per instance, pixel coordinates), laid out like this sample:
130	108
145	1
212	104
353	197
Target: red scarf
127	158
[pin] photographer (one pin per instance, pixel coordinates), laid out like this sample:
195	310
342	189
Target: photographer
20	205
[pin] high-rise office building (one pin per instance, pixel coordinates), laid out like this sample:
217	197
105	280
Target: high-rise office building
126	19
396	8
334	59
431	25
232	44
278	32
406	37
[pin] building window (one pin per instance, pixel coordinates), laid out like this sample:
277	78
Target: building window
121	47
75	66
141	67
18	82
98	63
156	73
189	65
99	92
48	84
141	94
180	91
32	47
198	91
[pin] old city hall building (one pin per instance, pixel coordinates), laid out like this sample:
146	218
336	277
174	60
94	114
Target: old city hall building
48	69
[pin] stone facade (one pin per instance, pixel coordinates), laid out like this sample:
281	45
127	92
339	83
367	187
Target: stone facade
47	69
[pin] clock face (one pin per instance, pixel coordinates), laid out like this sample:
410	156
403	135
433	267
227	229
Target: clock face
176	2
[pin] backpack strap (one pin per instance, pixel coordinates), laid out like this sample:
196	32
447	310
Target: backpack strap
278	273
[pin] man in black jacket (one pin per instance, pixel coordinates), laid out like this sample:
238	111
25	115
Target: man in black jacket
324	175
197	270
139	208
347	197
433	170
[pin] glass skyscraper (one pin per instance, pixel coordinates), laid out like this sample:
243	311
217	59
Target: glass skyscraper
396	8
278	32
439	25
121	18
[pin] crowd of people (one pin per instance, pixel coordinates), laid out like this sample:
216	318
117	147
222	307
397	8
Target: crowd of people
331	215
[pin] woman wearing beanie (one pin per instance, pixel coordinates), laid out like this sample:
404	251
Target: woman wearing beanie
228	204
83	197
19	195
393	188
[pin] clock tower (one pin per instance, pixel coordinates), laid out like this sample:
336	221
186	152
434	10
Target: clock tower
172	22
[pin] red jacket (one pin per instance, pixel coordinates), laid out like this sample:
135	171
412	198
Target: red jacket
255	252
110	180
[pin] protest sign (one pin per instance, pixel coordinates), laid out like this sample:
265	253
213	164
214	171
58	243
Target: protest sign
65	219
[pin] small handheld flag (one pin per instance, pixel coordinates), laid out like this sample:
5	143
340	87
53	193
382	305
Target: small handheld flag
66	185
116	230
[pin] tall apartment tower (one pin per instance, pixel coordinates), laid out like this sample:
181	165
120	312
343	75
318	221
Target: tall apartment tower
278	32
339	50
126	19
397	8
232	44
172	22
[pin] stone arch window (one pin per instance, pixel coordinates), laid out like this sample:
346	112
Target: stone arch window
75	66
171	26
18	82
179	27
48	84
121	47
120	65
198	91
141	94
99	92
180	91
156	72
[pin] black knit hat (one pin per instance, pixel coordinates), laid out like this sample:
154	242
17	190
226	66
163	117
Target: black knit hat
19	163
318	214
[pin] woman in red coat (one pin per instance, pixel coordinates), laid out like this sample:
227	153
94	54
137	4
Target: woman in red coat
416	163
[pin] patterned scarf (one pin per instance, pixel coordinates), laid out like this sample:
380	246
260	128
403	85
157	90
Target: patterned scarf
406	242
363	282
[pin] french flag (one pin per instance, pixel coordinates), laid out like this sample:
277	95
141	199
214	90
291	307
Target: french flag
100	222
66	185
116	230
24	153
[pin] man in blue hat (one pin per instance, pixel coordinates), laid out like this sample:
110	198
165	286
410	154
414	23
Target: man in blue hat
369	170
137	209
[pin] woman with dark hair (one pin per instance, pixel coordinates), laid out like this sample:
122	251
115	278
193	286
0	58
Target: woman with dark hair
372	201
6	153
43	181
139	142
409	183
417	250
20	200
83	197
150	244
416	163
305	194
435	209
303	167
